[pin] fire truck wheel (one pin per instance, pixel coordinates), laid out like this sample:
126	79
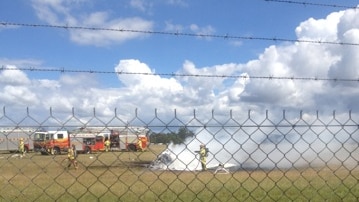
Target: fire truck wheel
43	151
132	147
57	151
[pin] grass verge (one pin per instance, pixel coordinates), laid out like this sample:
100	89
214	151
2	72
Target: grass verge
123	176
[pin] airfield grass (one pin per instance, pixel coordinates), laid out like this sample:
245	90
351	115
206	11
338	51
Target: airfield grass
123	176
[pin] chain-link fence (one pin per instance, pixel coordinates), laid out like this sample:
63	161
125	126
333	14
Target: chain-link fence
224	157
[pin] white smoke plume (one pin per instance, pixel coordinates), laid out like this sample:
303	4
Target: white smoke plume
266	145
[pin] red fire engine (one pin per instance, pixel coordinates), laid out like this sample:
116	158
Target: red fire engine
91	139
51	142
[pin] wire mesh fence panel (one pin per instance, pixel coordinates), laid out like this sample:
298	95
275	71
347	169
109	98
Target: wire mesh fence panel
215	157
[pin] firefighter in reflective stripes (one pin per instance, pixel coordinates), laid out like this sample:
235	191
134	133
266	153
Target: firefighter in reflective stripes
203	156
107	145
21	147
71	155
139	145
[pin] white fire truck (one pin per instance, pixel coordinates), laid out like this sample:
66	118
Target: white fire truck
10	138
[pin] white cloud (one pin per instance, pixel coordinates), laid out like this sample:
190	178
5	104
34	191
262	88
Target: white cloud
13	77
170	27
176	2
21	62
347	66
202	89
18	95
202	31
205	92
236	43
141	5
321	29
104	38
47	84
305	60
52	11
3	26
147	90
63	13
236	90
348	21
14	88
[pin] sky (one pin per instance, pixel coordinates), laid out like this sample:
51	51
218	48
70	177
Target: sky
164	57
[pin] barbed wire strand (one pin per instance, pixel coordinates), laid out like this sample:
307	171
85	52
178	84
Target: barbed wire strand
270	77
313	4
226	36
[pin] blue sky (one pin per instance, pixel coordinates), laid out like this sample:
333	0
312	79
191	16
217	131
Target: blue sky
53	47
72	49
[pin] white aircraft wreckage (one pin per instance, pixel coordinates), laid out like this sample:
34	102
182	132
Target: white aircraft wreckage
168	161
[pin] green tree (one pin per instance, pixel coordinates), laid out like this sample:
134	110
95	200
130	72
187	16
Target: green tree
184	133
175	137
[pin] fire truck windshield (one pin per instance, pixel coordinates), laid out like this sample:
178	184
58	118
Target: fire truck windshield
39	136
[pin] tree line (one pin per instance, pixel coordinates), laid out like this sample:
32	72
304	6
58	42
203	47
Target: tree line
177	137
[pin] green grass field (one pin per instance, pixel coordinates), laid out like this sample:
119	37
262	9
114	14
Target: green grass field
122	176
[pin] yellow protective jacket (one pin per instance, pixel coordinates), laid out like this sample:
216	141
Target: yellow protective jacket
71	154
203	153
21	146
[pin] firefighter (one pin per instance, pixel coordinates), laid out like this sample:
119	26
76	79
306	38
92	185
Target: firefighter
203	156
107	145
71	155
139	145
51	149
21	147
75	151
